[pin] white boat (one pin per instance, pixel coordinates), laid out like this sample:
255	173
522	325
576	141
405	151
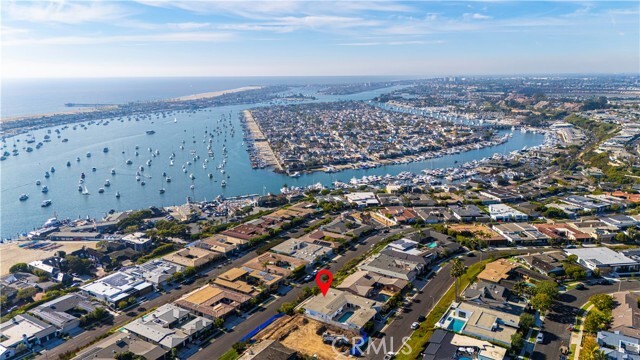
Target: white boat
107	183
38	182
223	183
85	191
171	163
45	203
45	189
191	176
162	191
129	162
24	197
192	187
113	171
100	190
117	194
295	174
168	179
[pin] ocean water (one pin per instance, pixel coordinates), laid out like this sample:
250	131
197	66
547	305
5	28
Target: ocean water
18	174
39	96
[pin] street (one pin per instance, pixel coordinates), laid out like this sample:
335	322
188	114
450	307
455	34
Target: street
564	314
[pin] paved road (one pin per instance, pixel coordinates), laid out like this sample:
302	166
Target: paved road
223	343
564	314
431	293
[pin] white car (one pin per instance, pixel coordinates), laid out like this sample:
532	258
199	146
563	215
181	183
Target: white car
415	325
389	356
539	338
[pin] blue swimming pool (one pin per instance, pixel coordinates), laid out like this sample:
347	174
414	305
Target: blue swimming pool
464	358
431	245
345	316
456	325
382	297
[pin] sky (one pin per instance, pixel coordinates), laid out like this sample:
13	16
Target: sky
44	39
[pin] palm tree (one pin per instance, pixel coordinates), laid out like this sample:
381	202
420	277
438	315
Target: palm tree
457	270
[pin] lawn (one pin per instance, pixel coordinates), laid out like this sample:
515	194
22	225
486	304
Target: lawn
419	338
230	355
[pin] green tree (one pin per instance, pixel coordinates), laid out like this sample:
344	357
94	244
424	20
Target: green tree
218	322
527	321
287	308
590	350
520	288
603	302
19	267
548	287
78	265
189	271
4	301
122	304
517	342
541	302
26	293
596	321
457	270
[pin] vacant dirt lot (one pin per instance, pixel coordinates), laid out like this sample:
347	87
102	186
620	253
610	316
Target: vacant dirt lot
481	231
11	253
299	333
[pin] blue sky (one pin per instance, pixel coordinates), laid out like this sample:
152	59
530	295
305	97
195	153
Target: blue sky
315	38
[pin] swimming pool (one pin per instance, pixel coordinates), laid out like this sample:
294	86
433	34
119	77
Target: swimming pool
345	316
464	358
432	245
456	325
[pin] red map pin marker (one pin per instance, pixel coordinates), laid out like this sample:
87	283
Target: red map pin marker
324	285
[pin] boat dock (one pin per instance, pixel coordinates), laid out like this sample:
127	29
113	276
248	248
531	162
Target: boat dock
261	148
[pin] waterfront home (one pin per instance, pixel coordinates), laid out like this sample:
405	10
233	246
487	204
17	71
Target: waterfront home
74	236
501	195
169	326
341	309
122	343
213	302
362	199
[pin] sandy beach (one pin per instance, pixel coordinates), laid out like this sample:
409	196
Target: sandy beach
81	110
260	143
11	253
215	93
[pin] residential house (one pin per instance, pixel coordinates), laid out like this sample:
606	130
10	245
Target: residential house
604	260
393	266
468	213
497	271
119	343
617	346
521	233
117	287
213	302
626	314
192	256
273	263
269	350
64	312
341	309
137	241
370	285
502	212
448	345
302	250
23	329
169	326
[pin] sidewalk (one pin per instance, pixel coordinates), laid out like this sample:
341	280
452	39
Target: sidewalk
576	338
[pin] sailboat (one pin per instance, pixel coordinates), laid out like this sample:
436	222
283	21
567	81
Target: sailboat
85	191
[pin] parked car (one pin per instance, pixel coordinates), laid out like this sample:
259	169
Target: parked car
389	356
580	286
415	325
539	338
422	318
307	278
